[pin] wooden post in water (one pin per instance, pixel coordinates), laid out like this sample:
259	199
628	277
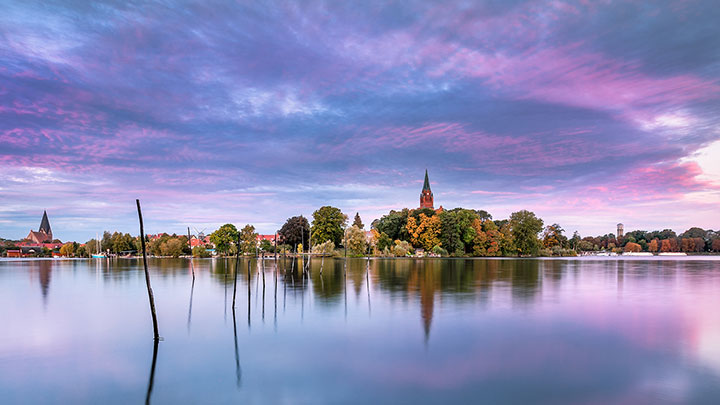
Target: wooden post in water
192	266
147	275
237	267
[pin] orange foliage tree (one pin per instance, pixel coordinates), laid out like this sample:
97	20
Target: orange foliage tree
632	247
424	233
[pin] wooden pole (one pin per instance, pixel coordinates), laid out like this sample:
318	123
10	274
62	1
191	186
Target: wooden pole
192	266
147	274
237	267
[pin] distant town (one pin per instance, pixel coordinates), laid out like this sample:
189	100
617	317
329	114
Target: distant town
425	231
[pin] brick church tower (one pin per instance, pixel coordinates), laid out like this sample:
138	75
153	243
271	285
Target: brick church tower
426	196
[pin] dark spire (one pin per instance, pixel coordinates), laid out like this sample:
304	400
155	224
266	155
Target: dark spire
45	224
426	186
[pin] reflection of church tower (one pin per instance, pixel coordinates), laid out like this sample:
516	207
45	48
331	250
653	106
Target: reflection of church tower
426	196
44	271
427	301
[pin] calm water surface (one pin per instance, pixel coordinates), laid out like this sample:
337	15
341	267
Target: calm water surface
391	331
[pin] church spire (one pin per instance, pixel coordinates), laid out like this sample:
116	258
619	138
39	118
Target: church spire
45	224
426	186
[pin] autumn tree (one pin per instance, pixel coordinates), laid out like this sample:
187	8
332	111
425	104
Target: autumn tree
328	224
67	250
653	246
383	242
525	227
632	247
715	245
224	238
355	240
553	236
424	231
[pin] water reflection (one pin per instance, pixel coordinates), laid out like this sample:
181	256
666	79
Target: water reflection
446	330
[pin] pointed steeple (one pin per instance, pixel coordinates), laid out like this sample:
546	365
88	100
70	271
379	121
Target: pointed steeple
426	186
45	224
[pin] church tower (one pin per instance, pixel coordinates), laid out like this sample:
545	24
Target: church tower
426	196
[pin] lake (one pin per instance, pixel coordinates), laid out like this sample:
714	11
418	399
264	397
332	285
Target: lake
581	330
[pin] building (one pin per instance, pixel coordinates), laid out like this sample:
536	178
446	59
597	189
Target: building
44	233
426	195
620	230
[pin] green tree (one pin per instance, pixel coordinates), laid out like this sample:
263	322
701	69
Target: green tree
248	239
384	242
525	227
200	251
358	222
172	247
356	241
394	225
295	231
224	238
328	224
81	251
266	246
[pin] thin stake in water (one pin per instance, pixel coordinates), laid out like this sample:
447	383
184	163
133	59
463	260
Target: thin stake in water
147	274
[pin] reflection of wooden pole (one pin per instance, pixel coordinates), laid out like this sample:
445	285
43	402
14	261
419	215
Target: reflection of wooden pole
248	283
151	381
238	370
237	267
192	266
147	275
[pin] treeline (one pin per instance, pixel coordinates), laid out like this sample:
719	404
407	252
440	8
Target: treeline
694	240
123	243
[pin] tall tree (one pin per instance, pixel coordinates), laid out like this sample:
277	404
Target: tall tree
295	231
394	224
328	224
525	227
356	240
424	232
248	239
224	238
358	222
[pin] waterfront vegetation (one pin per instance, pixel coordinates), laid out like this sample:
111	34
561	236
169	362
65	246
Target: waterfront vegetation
457	232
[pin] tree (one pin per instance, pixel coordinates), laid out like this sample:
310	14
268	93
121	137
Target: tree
67	250
401	248
266	246
553	236
328	224
715	245
224	238
394	224
525	227
653	246
81	251
383	242
200	251
172	247
248	239
575	240
92	246
665	246
358	222
424	232
632	247
325	248
295	231
356	241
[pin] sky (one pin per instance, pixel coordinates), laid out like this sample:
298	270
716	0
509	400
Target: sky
587	113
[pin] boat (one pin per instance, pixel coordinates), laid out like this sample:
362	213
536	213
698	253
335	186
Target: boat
98	255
